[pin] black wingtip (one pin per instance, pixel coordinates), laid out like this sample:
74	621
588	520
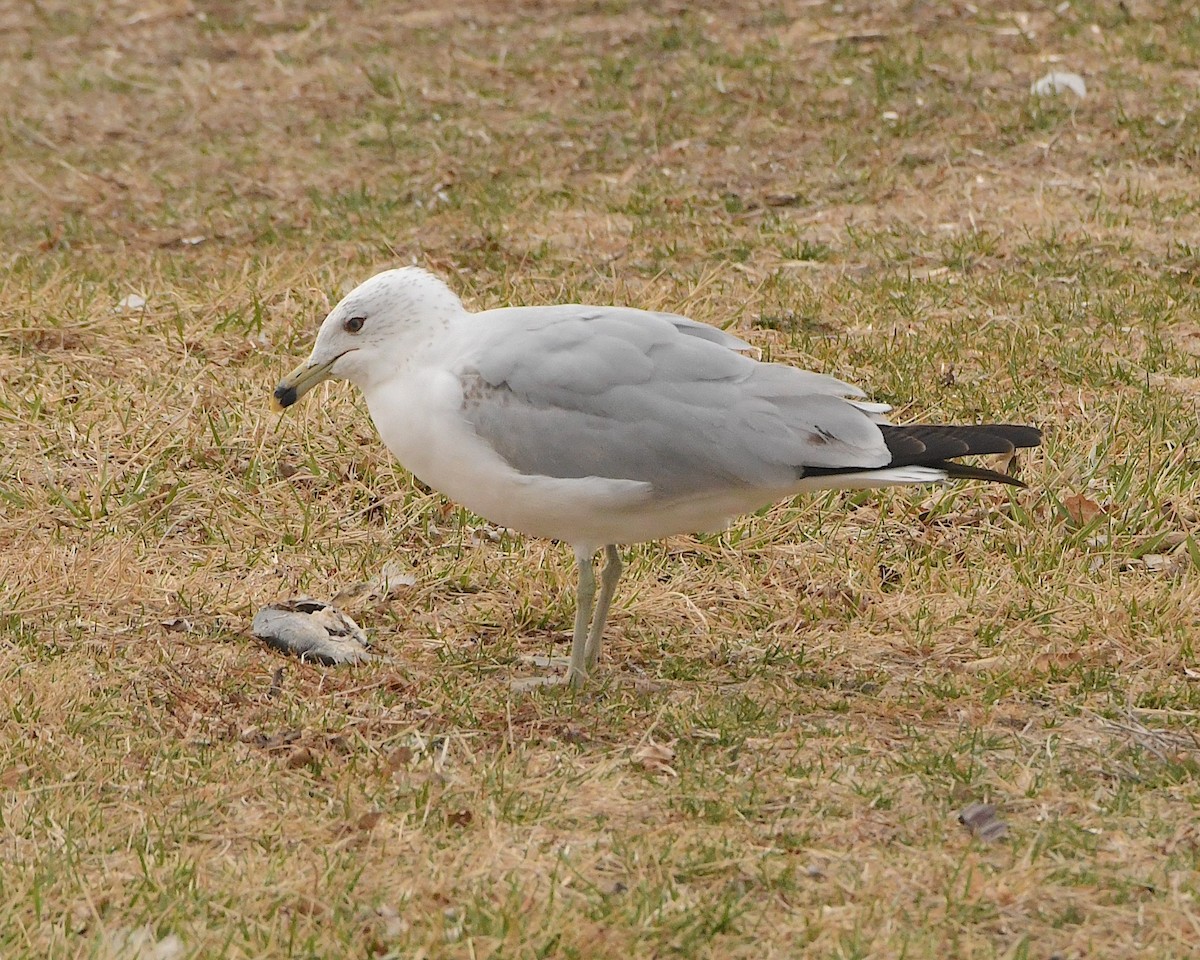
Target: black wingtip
937	445
920	444
1019	435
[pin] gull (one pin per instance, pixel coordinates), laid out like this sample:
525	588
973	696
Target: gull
600	426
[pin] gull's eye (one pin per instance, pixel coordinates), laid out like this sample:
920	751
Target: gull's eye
354	324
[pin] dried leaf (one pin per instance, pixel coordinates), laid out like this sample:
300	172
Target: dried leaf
400	757
983	664
369	819
300	757
981	820
655	757
459	818
306	906
1162	563
53	240
383	586
1056	660
80	916
12	776
1081	510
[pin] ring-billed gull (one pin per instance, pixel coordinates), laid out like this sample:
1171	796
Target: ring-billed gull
607	425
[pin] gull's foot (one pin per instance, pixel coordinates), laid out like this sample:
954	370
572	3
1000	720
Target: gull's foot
560	678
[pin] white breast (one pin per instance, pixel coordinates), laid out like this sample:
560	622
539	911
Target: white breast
419	418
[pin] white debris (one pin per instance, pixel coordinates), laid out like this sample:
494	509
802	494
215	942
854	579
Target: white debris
384	586
528	684
313	630
141	944
1056	82
129	303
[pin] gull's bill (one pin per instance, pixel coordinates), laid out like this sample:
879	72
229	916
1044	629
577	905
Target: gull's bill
297	383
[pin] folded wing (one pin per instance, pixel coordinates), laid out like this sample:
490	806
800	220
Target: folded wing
578	391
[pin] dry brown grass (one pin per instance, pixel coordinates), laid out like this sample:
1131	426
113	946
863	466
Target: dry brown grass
793	712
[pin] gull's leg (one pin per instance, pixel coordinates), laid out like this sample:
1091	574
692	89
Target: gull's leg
608	585
584	598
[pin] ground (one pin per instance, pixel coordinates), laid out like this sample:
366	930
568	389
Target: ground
791	714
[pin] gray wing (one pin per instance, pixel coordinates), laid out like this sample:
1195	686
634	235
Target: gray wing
576	391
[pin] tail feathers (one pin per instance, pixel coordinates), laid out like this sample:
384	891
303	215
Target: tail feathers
859	479
962	471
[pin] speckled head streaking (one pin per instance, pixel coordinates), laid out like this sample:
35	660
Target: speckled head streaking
375	320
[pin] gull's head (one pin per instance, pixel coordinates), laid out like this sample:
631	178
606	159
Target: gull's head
365	334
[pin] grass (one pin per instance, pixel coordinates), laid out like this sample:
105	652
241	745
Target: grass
791	712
